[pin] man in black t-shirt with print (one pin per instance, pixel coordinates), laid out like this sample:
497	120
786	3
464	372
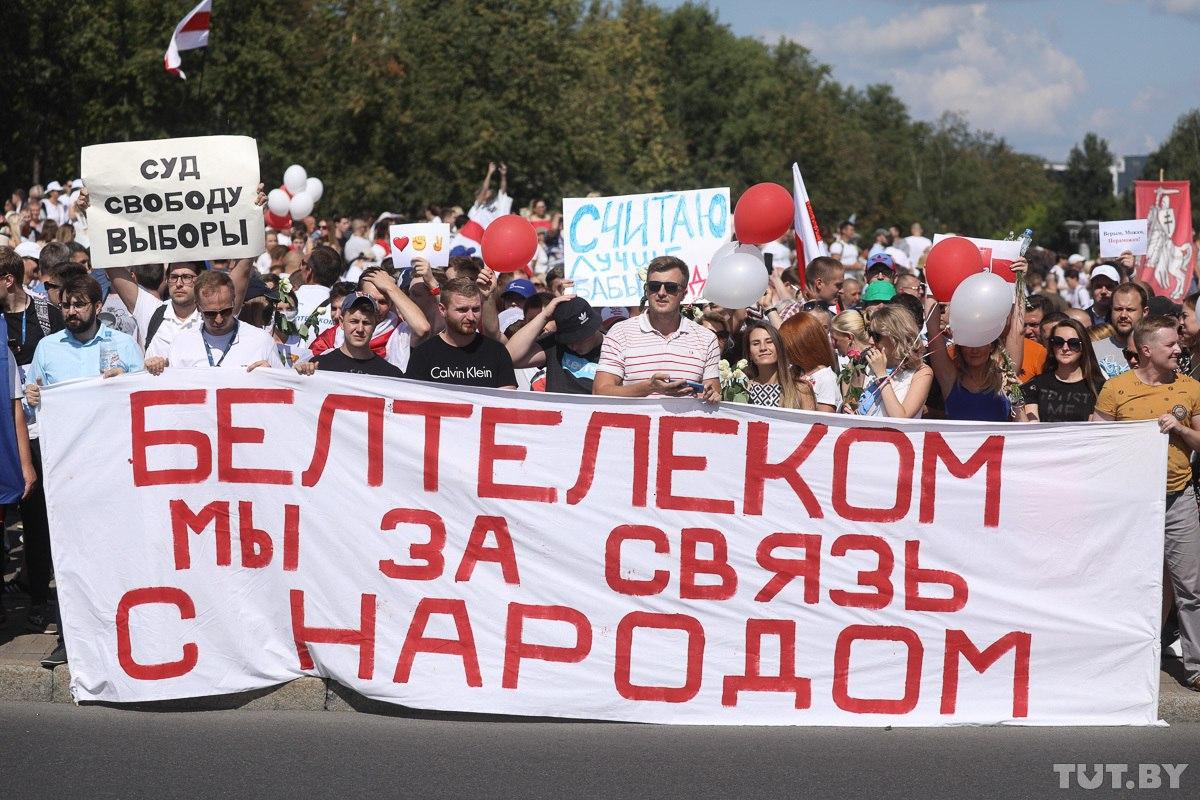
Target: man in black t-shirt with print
360	315
570	353
460	354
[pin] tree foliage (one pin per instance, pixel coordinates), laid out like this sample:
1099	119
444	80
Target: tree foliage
398	103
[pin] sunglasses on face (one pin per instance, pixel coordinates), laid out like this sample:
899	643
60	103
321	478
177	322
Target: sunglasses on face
1073	344
220	312
876	336
50	286
654	287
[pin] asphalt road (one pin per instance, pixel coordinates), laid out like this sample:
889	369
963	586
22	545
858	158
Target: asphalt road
61	751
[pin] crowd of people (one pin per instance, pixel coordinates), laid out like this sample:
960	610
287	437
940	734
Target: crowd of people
855	332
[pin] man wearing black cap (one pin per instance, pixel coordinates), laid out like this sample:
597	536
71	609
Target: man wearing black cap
360	314
570	353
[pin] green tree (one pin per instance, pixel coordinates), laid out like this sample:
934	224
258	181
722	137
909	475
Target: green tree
1087	182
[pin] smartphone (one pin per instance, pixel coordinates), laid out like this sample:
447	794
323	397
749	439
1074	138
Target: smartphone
698	388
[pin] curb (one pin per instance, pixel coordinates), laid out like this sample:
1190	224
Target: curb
33	683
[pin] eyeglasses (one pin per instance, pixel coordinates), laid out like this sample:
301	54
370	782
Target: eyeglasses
1074	344
220	312
1130	355
654	287
50	285
182	277
80	304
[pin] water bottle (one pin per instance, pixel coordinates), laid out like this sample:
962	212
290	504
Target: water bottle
1025	240
109	357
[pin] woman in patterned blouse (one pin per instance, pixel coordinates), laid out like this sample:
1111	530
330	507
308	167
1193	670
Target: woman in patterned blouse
771	381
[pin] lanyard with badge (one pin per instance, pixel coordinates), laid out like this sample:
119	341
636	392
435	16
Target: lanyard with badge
208	350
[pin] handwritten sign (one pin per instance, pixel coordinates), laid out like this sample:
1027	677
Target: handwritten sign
1126	234
609	240
173	200
428	240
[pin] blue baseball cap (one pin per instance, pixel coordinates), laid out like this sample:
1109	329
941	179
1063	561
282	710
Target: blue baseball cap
522	287
881	261
461	250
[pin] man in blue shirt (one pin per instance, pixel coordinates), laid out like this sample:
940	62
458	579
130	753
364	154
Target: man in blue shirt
85	349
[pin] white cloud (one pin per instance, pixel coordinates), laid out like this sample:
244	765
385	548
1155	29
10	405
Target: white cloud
957	58
1184	8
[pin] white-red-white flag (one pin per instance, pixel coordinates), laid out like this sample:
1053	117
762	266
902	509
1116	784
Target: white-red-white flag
809	244
190	34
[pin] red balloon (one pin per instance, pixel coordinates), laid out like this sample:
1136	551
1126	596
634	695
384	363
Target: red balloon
509	242
763	214
286	190
277	221
949	263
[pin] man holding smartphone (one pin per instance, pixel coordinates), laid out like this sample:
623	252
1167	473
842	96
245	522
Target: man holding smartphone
660	352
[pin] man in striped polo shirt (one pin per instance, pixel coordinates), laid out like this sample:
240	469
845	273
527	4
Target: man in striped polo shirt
660	352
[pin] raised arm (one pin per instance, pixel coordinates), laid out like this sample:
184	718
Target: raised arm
481	194
405	307
523	344
943	367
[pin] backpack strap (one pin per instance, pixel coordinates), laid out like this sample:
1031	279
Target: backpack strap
155	321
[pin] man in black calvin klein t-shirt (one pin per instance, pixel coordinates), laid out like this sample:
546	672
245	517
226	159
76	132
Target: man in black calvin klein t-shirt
461	354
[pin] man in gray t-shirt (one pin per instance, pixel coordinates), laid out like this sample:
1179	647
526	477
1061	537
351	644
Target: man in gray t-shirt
1128	308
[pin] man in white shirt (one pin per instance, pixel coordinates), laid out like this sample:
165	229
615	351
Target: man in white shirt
222	340
918	244
159	322
843	247
321	272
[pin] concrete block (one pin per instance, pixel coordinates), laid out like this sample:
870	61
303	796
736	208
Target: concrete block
61	689
26	683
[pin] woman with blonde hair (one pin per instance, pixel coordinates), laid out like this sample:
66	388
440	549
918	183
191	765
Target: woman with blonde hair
806	345
898	382
849	333
771	379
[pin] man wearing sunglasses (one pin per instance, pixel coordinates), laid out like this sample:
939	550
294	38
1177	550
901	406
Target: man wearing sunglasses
660	352
221	340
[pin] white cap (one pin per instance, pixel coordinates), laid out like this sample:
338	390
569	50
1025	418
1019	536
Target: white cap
53	186
28	250
1075	258
510	315
1106	271
613	312
77	183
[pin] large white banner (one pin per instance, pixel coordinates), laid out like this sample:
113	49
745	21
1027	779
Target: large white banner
608	241
173	200
660	561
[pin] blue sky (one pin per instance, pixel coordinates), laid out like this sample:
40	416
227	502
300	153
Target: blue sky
1040	74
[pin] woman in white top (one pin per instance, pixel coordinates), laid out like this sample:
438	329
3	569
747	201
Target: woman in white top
807	347
897	381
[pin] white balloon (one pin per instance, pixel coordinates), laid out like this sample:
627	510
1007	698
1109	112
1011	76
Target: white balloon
314	189
736	247
278	202
301	205
737	280
295	179
979	308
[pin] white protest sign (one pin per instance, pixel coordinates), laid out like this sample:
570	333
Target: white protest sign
173	200
1121	235
609	240
428	240
593	557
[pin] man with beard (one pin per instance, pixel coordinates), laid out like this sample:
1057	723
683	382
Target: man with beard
84	349
460	354
1129	303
